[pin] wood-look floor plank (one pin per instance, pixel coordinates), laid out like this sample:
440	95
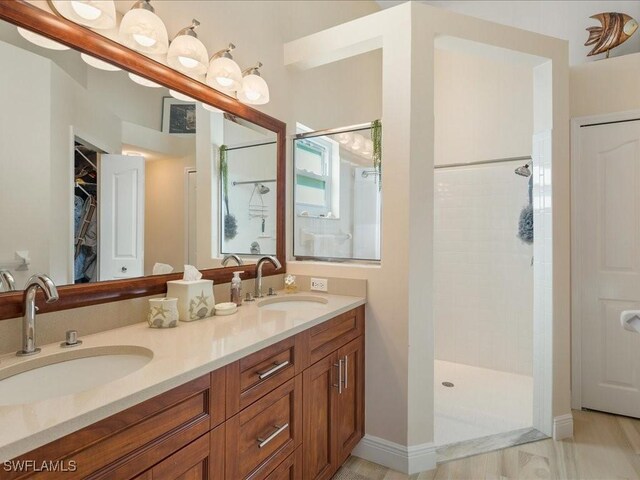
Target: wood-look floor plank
604	447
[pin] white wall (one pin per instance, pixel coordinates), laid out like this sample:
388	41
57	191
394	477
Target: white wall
483	301
27	115
608	86
564	19
483	108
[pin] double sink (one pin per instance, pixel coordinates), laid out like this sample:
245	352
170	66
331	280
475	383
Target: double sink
73	371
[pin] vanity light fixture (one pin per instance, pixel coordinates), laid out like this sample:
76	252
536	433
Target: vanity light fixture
98	14
358	142
345	138
40	40
254	90
143	81
99	64
142	30
224	74
187	53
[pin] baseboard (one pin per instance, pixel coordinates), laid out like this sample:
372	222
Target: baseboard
563	427
408	460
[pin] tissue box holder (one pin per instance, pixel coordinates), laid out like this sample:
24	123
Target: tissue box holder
195	298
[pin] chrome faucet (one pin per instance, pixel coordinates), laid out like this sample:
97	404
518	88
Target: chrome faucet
29	320
261	261
233	257
7	282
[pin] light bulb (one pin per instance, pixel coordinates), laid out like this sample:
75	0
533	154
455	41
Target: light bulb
85	10
224	81
144	40
224	74
345	138
188	62
98	14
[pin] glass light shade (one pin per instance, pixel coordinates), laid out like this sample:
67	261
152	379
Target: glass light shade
367	148
345	138
254	91
98	14
143	81
181	96
358	143
97	63
224	74
143	31
188	55
41	41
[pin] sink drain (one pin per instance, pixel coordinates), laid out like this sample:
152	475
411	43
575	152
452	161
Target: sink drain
447	384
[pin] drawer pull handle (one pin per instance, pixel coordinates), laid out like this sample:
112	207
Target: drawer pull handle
276	367
340	381
264	441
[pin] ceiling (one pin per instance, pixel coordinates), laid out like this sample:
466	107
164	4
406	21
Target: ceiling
566	19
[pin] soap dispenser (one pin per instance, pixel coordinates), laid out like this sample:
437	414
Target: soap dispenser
236	288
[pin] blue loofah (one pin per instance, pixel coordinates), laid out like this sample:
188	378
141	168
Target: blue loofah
525	224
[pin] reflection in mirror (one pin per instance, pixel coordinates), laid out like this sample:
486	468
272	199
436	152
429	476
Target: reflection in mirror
103	178
248	190
337	195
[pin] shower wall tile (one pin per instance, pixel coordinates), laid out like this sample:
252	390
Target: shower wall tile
483	274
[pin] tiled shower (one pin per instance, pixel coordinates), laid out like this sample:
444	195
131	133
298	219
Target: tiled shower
483	303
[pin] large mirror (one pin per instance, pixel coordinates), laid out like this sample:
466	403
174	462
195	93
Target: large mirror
107	176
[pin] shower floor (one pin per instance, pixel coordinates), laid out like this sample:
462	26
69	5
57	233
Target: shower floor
482	402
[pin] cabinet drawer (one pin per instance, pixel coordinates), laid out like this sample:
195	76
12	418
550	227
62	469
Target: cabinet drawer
254	376
323	339
264	434
128	443
290	469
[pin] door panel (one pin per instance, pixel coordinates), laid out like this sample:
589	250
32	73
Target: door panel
350	414
608	219
319	407
121	217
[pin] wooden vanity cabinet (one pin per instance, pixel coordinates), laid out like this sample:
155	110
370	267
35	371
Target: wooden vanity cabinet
291	411
333	406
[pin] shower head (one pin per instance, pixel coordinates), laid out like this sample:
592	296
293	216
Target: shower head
523	170
262	188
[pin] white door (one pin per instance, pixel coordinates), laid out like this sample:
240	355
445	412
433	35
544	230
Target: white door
121	206
608	228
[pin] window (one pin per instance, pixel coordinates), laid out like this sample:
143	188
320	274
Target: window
313	178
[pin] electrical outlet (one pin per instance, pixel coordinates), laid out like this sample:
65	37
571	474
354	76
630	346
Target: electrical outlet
319	284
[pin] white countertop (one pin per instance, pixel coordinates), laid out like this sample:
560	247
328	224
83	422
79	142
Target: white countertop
179	355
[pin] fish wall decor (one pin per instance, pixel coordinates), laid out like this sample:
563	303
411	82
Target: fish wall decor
615	29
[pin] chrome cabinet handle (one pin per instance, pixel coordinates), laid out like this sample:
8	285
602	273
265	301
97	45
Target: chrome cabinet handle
346	371
272	370
340	381
124	269
264	441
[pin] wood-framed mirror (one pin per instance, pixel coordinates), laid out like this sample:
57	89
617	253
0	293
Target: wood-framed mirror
167	204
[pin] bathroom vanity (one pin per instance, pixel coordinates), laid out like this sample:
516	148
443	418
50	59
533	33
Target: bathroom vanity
278	394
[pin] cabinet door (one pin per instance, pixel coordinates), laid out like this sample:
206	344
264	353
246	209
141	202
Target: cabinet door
202	459
350	411
319	410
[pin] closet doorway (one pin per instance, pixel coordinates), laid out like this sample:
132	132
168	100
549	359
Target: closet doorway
85	212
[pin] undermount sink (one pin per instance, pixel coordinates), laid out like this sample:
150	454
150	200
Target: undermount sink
73	371
294	302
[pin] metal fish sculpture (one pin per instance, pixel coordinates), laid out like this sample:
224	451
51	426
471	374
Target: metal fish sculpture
615	29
